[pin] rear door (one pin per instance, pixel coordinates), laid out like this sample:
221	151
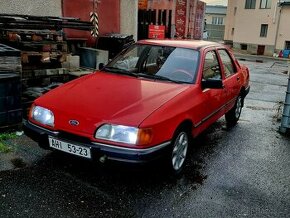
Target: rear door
231	77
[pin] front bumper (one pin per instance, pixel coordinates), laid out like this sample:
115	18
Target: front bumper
110	152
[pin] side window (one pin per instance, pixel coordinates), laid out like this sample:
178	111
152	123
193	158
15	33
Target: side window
227	61
211	68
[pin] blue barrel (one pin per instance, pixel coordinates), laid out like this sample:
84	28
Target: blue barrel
286	53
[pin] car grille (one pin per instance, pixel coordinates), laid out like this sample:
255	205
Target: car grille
72	137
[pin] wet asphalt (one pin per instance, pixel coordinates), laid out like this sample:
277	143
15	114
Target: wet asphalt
238	172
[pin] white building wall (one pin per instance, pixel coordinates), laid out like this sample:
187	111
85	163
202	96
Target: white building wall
32	7
230	20
248	24
129	17
283	33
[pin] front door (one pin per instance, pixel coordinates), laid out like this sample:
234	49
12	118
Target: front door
215	99
261	50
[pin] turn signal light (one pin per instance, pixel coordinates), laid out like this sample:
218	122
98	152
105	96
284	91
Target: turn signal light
144	136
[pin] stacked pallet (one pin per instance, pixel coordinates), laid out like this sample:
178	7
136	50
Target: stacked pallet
20	21
40	39
10	100
43	49
10	60
10	86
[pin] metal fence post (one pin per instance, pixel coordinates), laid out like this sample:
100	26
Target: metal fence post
285	121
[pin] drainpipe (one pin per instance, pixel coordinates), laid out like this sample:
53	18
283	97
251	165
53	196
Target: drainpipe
285	121
275	13
278	26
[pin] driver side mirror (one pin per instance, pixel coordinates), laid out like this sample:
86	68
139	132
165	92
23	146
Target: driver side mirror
212	84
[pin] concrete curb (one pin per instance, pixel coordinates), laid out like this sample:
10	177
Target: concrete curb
250	60
258	58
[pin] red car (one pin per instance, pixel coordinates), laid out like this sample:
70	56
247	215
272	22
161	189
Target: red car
146	103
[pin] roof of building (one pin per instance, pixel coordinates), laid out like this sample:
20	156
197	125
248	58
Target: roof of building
216	9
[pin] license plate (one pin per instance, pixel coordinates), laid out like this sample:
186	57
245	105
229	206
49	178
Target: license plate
69	148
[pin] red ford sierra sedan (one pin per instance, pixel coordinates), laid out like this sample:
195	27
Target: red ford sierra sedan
146	103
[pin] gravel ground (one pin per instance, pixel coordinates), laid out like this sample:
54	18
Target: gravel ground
25	153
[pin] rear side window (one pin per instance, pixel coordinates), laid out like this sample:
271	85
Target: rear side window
211	68
227	62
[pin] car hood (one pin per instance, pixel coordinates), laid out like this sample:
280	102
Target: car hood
107	98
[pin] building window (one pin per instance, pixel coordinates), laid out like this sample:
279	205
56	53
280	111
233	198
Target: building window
287	45
244	47
264	30
235	10
233	31
250	4
217	21
265	4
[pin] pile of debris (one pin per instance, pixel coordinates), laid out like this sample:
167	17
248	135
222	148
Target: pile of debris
10	87
40	39
10	60
37	48
19	21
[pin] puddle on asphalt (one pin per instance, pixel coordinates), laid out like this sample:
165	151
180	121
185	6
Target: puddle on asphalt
18	162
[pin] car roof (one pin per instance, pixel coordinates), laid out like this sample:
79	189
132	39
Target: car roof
184	43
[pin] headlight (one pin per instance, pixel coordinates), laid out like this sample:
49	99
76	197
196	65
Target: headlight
124	134
42	115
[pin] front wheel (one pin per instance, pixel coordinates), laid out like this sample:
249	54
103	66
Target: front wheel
234	114
179	151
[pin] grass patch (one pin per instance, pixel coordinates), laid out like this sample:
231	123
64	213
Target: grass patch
4	148
6	136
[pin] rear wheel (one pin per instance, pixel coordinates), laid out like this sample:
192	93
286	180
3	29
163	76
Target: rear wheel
178	152
234	114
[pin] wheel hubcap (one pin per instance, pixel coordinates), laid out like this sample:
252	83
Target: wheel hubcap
179	150
238	108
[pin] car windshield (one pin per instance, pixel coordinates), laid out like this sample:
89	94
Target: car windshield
157	62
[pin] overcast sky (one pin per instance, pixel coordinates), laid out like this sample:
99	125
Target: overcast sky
216	2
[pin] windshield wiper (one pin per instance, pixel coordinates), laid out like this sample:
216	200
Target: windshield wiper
158	77
119	70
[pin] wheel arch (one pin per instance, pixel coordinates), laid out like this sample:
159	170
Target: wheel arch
185	124
175	157
243	94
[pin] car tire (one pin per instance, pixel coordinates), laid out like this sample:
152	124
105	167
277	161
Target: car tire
178	151
233	115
